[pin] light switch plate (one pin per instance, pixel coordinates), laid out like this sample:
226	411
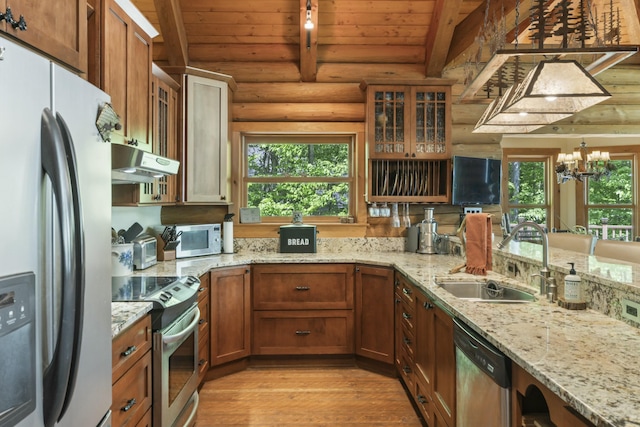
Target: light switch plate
249	215
472	210
631	310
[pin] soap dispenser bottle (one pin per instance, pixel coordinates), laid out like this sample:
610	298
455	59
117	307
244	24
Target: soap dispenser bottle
572	286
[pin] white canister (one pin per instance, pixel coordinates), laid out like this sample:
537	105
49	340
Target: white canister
122	259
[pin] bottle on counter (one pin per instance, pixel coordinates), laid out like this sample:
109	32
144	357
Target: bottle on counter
572	281
227	234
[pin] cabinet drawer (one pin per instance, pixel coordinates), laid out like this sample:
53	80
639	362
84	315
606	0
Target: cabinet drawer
407	340
203	356
298	332
129	346
406	313
404	289
146	420
406	370
297	287
132	393
203	323
422	401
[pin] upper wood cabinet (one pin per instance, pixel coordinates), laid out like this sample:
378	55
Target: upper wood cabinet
58	28
125	74
205	150
408	121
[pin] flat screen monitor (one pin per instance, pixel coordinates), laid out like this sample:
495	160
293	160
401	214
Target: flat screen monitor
476	181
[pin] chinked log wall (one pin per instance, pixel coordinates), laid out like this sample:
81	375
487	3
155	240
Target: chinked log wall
273	93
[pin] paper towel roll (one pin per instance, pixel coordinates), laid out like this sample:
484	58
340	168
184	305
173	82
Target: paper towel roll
227	237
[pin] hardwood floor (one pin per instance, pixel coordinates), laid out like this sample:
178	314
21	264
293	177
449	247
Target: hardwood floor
323	396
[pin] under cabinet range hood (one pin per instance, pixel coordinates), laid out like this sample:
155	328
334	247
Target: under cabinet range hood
130	165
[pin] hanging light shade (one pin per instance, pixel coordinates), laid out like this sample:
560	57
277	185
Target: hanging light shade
495	120
556	86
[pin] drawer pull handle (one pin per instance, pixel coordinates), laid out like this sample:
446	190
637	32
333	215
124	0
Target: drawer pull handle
128	351
201	321
422	399
129	405
302	288
407	341
406	369
427	305
201	362
303	332
406	291
201	290
406	315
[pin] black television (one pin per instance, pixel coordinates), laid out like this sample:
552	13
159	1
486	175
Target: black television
476	181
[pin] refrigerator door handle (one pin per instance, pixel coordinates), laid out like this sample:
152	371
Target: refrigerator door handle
58	162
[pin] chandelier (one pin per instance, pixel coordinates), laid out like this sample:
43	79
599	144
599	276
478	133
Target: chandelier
580	165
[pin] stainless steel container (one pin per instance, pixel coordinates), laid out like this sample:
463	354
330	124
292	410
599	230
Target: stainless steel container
428	233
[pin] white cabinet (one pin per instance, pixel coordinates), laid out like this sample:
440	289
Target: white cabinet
205	157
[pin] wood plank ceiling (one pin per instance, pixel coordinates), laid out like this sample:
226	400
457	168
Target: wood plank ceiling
259	41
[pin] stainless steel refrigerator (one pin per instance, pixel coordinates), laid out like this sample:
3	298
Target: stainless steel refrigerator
55	271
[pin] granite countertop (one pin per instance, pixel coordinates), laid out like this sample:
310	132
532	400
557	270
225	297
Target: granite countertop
587	358
125	314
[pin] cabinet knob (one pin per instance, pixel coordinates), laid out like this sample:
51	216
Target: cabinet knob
406	154
129	405
201	362
20	24
406	291
128	351
7	16
406	315
427	305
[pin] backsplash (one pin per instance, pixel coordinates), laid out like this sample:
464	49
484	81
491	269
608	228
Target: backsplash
326	245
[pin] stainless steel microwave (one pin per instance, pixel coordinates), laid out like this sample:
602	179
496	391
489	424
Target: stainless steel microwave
198	240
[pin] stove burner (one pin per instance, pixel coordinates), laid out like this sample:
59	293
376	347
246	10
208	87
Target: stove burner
171	296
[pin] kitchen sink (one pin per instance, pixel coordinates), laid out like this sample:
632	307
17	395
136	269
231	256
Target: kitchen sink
488	291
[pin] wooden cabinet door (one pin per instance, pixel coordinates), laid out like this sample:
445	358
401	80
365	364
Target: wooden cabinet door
444	378
424	341
430	122
374	313
126	75
57	28
389	121
230	306
207	137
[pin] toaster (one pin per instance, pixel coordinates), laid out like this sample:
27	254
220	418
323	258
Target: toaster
144	251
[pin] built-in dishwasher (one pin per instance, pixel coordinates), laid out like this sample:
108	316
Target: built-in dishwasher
482	380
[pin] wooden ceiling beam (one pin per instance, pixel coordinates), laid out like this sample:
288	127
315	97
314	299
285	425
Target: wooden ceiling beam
173	31
441	29
308	42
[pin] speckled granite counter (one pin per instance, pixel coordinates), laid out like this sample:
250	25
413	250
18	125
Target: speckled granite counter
125	314
587	358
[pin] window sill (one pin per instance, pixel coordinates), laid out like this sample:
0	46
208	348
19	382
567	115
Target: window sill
270	230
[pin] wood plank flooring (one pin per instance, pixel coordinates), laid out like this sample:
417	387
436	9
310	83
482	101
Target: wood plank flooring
317	397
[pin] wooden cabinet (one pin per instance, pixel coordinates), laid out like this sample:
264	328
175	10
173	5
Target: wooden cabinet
532	403
206	121
164	143
131	358
204	305
426	359
409	122
303	309
58	28
230	301
125	74
374	313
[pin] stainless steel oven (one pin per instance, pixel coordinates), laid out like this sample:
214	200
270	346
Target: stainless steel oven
175	371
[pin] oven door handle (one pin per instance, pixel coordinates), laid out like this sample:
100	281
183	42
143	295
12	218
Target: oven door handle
182	334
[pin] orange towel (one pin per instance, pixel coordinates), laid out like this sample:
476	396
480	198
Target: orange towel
478	238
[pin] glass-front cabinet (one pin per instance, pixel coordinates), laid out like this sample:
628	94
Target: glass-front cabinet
409	121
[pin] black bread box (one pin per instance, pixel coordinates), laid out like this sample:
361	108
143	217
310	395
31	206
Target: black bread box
298	238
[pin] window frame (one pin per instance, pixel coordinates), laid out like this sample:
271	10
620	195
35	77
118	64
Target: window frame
552	188
622	152
350	139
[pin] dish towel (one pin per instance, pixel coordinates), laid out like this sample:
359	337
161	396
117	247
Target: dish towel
478	237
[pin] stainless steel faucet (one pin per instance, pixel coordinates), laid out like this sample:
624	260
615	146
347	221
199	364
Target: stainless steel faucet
544	271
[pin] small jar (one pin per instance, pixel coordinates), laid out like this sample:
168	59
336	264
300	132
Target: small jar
385	211
374	211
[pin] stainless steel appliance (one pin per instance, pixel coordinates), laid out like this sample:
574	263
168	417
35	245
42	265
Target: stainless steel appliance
174	320
56	209
145	252
428	233
198	239
482	380
132	165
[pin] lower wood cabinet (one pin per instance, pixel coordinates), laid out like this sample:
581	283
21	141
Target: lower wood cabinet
301	309
374	313
425	354
532	403
230	299
204	305
132	394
